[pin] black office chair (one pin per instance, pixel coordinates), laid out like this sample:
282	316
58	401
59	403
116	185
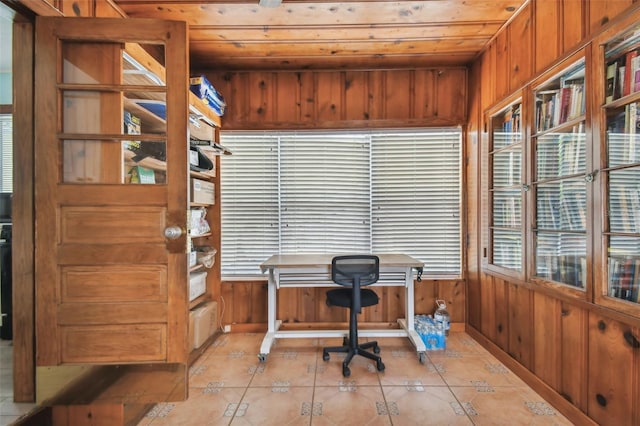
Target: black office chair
354	272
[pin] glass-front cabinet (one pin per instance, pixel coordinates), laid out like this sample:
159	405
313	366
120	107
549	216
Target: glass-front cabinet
505	188
560	179
621	172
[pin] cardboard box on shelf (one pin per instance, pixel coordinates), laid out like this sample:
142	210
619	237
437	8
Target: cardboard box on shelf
202	192
205	322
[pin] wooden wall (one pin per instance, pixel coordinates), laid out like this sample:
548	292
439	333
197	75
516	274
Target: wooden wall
342	99
571	351
333	100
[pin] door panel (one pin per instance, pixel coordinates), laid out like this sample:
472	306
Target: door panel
110	288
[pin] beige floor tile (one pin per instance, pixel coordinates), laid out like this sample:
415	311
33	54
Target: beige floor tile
275	407
363	371
402	367
224	371
475	371
295	345
460	344
350	405
234	343
424	405
286	369
507	406
205	407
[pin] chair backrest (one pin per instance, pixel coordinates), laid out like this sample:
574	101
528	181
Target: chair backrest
361	269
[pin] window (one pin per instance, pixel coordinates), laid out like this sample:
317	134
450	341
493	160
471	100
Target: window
341	192
6	153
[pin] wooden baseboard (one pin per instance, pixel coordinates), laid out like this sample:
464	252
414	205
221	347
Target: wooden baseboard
565	407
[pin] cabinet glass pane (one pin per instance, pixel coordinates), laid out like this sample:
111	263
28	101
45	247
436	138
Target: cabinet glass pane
623	135
506	167
507	208
560	100
507	249
624	200
624	268
104	63
560	153
562	205
561	257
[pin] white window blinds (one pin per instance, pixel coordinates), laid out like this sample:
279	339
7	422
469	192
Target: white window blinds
324	193
340	192
415	193
6	146
250	205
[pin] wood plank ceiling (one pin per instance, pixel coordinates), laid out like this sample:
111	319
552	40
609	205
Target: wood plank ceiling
316	34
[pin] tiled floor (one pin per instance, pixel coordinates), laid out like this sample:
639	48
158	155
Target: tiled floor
9	411
463	385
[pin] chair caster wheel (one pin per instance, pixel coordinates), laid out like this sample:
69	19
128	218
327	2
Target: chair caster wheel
325	356
345	341
380	366
345	371
376	349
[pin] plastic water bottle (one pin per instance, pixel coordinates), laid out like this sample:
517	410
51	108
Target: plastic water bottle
442	316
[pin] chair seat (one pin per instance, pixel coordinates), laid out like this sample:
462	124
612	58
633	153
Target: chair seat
342	297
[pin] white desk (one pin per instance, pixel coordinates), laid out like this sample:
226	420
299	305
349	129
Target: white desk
314	270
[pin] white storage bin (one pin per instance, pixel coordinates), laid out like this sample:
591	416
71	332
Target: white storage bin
197	284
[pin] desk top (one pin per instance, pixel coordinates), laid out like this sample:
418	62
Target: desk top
320	260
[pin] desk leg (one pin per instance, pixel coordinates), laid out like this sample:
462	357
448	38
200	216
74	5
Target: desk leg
409	323
272	324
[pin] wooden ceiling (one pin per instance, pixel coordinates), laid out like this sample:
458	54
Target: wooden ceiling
318	34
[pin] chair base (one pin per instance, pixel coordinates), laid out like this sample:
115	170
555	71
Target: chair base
352	350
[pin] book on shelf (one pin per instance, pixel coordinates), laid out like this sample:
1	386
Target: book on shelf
629	75
635	74
621	80
611	77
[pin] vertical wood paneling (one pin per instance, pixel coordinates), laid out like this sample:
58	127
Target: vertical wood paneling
328	96
398	101
520	324
356	99
603	11
488	303
502	72
287	97
424	99
376	95
520	48
573	355
260	102
502	313
308	105
546	339
331	99
611	372
547	33
425	298
23	262
451	100
573	23
488	77
242	311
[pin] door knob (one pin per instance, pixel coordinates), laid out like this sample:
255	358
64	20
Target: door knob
173	232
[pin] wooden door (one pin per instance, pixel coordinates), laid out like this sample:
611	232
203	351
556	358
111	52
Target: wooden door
110	287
